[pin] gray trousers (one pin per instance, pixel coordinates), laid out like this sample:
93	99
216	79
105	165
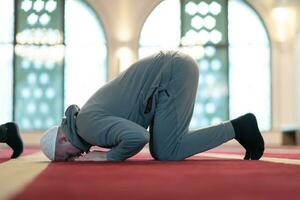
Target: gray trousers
113	118
170	138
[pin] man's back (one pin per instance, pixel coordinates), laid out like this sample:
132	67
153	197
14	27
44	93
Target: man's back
126	95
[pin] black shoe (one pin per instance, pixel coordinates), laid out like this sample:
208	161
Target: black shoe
13	139
248	135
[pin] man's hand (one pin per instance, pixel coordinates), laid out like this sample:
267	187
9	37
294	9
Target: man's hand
92	156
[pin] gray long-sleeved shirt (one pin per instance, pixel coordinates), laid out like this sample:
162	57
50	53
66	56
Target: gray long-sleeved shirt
126	96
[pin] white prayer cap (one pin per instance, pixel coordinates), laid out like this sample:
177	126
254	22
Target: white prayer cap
48	142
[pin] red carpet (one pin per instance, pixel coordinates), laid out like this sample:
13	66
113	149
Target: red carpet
145	179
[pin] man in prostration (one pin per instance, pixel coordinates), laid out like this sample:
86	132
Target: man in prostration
158	92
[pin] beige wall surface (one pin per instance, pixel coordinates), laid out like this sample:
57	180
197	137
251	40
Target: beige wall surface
123	21
297	76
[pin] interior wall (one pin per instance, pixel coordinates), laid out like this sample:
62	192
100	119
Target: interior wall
297	75
123	21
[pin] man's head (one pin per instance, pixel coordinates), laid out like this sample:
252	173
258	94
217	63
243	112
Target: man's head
56	146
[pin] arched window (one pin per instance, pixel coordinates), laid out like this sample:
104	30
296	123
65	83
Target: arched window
249	62
235	75
59	58
86	53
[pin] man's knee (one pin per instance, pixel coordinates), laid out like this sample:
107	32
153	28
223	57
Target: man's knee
164	155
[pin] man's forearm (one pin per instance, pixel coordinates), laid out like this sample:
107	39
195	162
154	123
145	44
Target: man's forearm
93	156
